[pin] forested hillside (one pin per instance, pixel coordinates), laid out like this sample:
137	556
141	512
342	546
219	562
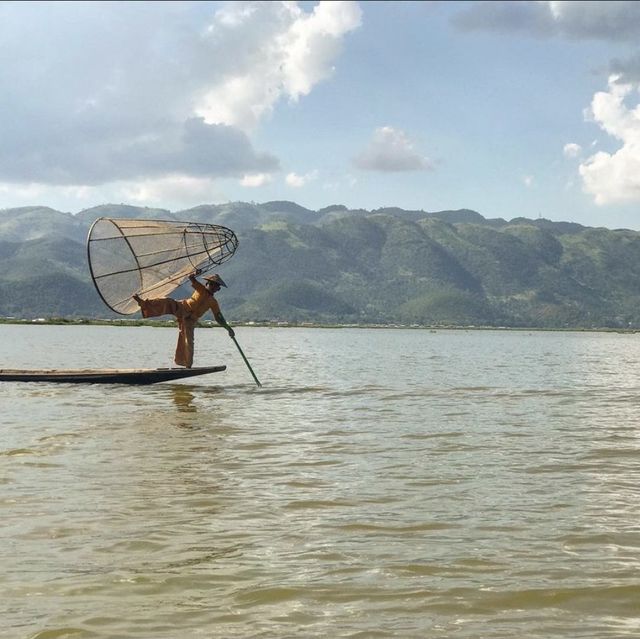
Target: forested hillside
354	266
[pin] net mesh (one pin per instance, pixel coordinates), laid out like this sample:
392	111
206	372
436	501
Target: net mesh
151	258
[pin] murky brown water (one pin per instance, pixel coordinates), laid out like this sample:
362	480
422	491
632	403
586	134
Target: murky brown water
381	484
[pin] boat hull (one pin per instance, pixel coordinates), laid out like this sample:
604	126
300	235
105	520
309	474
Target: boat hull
140	376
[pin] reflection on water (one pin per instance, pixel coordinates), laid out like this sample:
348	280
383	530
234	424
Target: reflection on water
183	398
381	483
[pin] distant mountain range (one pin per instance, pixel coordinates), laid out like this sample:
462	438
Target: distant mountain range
340	265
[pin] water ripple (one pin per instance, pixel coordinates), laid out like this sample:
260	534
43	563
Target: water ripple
380	484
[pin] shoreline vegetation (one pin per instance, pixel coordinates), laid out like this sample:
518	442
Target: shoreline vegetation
77	321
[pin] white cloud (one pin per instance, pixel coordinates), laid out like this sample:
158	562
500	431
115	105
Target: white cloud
172	191
191	147
614	21
297	181
627	70
528	180
27	192
615	177
571	150
575	19
391	150
117	93
255	180
290	52
341	183
313	42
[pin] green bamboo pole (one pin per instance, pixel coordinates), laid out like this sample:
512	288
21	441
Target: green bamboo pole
246	361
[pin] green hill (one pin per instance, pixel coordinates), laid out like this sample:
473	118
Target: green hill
354	266
35	222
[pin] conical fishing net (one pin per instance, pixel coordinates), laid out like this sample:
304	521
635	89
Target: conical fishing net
151	258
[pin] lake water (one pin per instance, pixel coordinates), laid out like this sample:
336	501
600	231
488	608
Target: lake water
381	483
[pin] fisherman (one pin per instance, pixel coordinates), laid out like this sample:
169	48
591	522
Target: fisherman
188	312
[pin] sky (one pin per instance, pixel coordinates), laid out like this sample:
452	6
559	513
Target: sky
507	108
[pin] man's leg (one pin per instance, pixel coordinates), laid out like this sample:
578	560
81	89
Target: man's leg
184	348
157	307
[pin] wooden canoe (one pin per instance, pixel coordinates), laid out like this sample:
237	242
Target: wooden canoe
106	375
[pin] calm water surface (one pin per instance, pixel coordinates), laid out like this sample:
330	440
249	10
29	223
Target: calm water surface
382	483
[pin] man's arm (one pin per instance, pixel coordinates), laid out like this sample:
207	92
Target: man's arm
223	322
199	286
